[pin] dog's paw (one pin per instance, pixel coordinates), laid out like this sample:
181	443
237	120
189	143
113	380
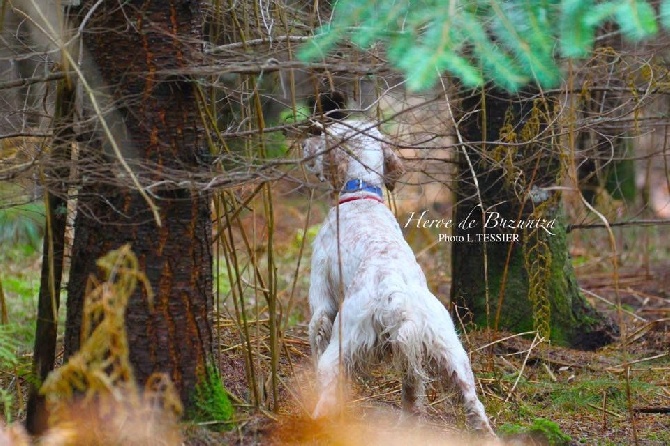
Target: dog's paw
483	429
327	404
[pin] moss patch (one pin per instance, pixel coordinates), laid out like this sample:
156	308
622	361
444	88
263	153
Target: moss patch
210	402
542	431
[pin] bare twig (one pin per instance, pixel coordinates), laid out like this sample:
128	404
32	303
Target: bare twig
536	341
254	42
26	81
637	223
651	409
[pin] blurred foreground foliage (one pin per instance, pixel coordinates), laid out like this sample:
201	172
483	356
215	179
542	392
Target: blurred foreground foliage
511	42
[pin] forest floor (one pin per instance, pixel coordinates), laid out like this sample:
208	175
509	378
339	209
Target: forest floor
522	380
618	395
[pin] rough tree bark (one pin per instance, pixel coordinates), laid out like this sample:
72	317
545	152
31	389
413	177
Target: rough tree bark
527	284
159	128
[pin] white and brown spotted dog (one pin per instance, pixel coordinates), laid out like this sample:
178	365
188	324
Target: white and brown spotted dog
368	295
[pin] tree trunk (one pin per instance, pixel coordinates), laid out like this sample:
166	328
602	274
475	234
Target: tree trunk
512	270
53	251
159	128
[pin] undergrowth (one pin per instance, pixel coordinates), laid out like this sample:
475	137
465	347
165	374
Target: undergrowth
211	404
8	361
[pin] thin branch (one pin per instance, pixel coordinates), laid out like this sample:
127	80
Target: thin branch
651	409
272	65
24	82
650	222
25	135
254	42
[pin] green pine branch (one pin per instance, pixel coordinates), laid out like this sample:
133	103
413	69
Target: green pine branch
509	42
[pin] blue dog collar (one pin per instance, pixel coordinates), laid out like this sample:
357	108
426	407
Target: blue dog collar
358	185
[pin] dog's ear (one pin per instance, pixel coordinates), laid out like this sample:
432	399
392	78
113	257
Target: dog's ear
393	167
311	148
331	164
336	167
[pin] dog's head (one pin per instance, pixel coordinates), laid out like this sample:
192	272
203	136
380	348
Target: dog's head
350	150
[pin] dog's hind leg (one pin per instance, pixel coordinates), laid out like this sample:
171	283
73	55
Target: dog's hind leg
463	378
454	367
413	393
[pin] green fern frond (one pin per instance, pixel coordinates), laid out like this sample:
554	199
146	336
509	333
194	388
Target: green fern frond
9	345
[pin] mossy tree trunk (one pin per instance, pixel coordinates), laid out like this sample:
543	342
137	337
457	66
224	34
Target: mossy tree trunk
156	118
516	274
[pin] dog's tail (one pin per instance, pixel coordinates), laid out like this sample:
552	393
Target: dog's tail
404	333
410	348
